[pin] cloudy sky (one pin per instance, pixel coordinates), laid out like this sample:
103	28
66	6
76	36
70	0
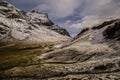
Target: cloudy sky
73	15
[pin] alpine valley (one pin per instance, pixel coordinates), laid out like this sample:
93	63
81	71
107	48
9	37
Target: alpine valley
32	47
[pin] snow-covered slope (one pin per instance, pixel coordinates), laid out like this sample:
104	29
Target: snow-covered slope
9	11
16	27
94	52
108	30
39	18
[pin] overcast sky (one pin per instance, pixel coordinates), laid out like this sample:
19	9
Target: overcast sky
73	14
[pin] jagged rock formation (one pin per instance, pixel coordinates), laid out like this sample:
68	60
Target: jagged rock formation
9	11
42	19
15	26
108	30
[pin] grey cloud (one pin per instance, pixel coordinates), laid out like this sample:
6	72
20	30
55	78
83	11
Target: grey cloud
96	11
60	8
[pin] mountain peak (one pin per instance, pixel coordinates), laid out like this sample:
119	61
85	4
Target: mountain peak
42	19
18	26
39	17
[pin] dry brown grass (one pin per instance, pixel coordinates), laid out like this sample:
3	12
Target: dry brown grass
20	55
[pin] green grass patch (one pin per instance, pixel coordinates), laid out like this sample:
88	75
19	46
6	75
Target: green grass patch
21	55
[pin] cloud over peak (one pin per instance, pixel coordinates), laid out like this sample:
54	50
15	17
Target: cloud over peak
93	12
60	8
75	14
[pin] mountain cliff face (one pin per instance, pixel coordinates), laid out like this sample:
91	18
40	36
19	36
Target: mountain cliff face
108	30
33	27
42	19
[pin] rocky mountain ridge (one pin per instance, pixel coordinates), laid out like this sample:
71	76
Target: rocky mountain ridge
42	19
111	32
17	26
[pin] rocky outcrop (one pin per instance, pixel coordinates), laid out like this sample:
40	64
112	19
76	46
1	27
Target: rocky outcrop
113	31
42	19
9	11
108	30
59	30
